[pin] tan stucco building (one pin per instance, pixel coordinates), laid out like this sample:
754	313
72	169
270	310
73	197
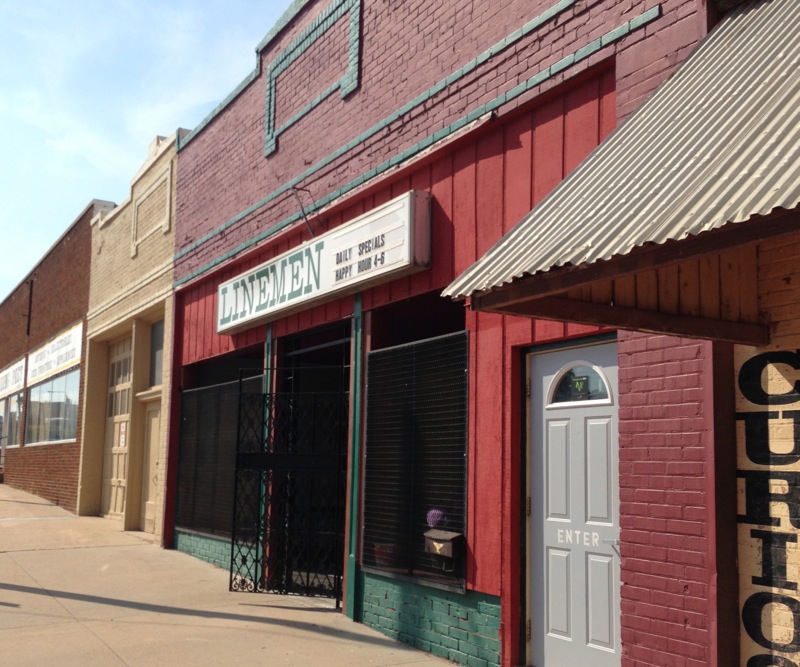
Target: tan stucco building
129	324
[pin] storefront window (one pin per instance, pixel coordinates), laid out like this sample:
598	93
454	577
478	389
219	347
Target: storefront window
53	409
156	352
10	412
415	485
9	423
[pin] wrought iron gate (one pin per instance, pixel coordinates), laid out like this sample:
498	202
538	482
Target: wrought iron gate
288	524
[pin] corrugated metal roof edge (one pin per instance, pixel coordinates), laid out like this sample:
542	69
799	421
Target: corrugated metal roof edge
500	264
782	217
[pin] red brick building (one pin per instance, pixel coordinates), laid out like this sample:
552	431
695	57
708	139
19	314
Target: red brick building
375	153
694	204
41	361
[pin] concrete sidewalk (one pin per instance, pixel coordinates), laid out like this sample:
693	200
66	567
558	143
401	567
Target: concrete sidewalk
79	591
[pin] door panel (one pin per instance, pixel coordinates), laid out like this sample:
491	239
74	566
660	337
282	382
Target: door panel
599	460
559	597
147	515
558	471
575	507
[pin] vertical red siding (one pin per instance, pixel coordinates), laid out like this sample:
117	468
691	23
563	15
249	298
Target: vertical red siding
517	200
480	189
464	196
442	215
581	123
490	184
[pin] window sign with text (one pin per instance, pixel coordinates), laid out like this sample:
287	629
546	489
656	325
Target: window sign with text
12	379
60	354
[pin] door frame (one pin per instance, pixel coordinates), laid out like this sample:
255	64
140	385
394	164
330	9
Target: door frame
526	568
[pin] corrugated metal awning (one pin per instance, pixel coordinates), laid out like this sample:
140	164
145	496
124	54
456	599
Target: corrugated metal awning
718	143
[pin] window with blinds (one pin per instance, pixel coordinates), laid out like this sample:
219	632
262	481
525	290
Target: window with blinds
416	450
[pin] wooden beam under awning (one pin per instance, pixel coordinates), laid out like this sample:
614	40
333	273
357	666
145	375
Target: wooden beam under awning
700	287
638	319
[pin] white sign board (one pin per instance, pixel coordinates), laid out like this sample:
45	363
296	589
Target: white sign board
58	355
12	379
389	241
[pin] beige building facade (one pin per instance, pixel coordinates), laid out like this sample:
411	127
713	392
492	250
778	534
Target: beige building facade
128	351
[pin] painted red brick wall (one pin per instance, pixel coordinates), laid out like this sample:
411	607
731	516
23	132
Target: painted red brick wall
667	504
60	301
406	48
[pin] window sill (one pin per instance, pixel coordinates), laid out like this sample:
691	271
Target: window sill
68	441
458	586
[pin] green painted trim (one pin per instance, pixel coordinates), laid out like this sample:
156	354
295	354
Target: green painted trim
181	142
210	548
291	11
355	591
534	81
529	27
346	84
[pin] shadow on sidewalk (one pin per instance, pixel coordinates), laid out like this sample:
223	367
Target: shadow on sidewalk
199	613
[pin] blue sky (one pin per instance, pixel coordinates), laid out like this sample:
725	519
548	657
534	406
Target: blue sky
86	85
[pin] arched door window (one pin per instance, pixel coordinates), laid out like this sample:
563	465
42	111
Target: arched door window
579	382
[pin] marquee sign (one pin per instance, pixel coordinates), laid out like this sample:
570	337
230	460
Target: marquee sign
58	355
390	241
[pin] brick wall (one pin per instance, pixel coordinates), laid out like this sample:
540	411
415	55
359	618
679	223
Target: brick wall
60	293
666	507
132	247
59	301
418	76
48	471
461	628
214	550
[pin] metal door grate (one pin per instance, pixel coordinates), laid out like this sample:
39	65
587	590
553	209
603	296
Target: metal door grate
288	523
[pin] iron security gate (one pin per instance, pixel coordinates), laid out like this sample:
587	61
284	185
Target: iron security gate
288	524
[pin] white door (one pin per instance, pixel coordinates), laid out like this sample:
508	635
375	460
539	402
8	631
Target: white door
152	430
574	457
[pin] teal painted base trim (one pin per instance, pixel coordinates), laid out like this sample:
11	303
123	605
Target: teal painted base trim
461	628
215	550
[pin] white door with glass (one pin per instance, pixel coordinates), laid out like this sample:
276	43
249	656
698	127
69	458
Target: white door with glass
574	461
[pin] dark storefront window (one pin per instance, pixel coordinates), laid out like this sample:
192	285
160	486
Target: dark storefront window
156	353
416	447
207	456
